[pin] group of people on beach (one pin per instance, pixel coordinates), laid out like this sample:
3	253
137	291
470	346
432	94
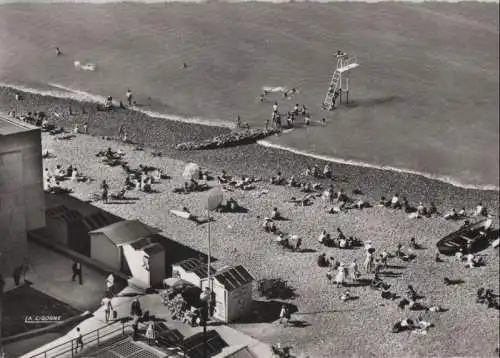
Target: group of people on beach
298	112
52	179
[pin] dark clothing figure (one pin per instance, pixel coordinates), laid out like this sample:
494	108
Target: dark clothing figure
77	272
17	275
104	195
79	341
135	328
135	308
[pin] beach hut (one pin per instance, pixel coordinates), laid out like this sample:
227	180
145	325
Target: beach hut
132	247
65	227
232	287
191	270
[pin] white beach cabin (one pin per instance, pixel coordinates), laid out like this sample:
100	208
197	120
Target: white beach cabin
131	247
191	270
232	287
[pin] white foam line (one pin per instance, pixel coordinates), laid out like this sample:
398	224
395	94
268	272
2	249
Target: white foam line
444	179
71	93
81	95
171	117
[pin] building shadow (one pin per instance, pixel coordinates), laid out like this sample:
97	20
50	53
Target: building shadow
266	311
276	289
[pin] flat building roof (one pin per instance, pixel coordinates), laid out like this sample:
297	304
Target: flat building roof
9	125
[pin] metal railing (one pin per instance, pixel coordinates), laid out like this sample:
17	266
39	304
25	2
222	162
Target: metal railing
71	345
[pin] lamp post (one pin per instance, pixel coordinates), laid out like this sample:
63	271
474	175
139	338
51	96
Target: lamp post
214	199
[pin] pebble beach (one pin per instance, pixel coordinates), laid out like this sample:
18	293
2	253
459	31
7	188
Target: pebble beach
331	328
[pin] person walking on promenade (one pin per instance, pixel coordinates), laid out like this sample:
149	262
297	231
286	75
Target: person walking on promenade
16	275
135	327
150	333
77	271
108	308
79	340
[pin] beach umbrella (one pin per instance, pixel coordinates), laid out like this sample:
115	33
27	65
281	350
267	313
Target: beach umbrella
214	198
191	171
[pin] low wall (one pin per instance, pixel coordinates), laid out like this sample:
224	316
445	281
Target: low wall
228	140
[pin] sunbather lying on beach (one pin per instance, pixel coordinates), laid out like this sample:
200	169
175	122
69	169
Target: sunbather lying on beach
383	202
246	183
292	182
395	202
231	205
269	226
305	201
403	325
377	283
278	179
480	210
119	195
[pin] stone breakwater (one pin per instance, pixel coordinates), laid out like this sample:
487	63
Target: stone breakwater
228	140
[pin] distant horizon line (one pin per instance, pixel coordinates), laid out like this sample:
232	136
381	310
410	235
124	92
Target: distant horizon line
4	2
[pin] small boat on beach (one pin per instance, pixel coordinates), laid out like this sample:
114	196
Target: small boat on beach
474	235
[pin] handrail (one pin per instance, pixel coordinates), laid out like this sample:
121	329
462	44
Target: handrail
72	342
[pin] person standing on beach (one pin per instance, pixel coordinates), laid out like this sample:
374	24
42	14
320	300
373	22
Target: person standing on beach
104	188
129	97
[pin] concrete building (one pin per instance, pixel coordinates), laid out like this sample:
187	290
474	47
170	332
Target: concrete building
22	201
232	287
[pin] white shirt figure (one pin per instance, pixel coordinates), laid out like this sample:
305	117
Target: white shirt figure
354	270
479	210
110	281
340	277
322	237
275	107
395	200
470	261
74	175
